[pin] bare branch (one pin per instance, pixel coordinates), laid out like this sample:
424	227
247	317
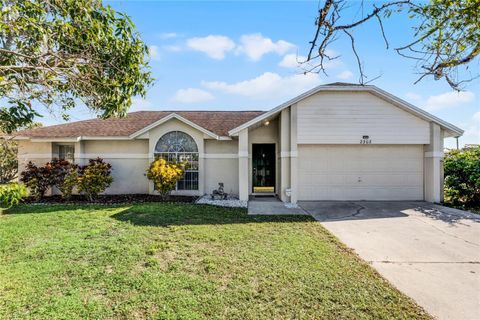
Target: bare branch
359	63
383	31
445	39
327	28
319	22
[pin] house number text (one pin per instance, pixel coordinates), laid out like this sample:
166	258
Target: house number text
365	140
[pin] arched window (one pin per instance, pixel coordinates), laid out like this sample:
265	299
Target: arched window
179	146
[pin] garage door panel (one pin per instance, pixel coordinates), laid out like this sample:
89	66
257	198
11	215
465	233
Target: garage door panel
348	172
372	180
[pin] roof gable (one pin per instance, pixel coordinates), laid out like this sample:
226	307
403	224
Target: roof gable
352	88
178	117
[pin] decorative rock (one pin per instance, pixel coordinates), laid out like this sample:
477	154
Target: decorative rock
230	202
291	205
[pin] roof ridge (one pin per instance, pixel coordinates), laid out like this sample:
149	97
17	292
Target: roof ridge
173	111
340	83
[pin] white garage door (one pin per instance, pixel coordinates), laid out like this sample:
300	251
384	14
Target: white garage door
363	172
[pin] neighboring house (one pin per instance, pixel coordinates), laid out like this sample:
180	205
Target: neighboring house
335	142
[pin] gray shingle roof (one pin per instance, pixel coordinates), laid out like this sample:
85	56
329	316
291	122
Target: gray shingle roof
218	122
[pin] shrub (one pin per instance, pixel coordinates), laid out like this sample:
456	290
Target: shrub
64	176
462	177
37	179
165	175
94	178
52	174
59	168
11	194
69	182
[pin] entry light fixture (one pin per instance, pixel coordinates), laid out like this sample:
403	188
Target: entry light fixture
266	123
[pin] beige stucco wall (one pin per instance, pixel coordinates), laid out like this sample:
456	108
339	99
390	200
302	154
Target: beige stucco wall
433	165
129	160
37	152
127	147
243	163
221	165
284	137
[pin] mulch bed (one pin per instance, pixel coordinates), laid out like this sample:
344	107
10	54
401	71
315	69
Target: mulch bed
111	199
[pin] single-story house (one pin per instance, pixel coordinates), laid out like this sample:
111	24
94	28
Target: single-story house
335	142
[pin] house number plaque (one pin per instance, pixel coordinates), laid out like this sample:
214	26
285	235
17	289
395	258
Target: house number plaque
365	140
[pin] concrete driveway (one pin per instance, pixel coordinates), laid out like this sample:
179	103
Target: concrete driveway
429	252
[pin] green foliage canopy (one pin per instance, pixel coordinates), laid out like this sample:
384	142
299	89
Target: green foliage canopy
8	160
447	37
462	177
445	42
60	52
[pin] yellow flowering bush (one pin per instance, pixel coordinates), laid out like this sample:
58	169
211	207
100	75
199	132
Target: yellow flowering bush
165	175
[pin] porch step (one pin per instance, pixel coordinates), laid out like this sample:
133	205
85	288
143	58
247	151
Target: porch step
266	197
272	206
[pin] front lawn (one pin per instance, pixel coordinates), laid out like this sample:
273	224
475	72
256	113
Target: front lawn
182	261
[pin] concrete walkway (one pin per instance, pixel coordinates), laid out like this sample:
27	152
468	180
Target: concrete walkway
429	252
273	206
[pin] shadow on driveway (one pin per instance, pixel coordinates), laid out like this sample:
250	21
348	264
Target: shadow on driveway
359	210
427	251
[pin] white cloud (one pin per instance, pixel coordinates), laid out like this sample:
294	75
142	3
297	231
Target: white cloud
471	134
255	46
192	95
214	46
172	48
472	130
139	104
154	53
448	99
267	85
292	60
345	75
414	97
476	116
168	35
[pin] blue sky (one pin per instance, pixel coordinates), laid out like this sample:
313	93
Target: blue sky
242	56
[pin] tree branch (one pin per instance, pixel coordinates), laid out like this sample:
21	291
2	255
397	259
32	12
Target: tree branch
446	30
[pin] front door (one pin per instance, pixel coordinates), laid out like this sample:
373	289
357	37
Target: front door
263	167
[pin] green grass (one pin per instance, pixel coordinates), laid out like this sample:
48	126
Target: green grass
179	261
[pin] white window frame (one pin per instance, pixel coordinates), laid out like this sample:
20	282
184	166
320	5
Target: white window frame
170	155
